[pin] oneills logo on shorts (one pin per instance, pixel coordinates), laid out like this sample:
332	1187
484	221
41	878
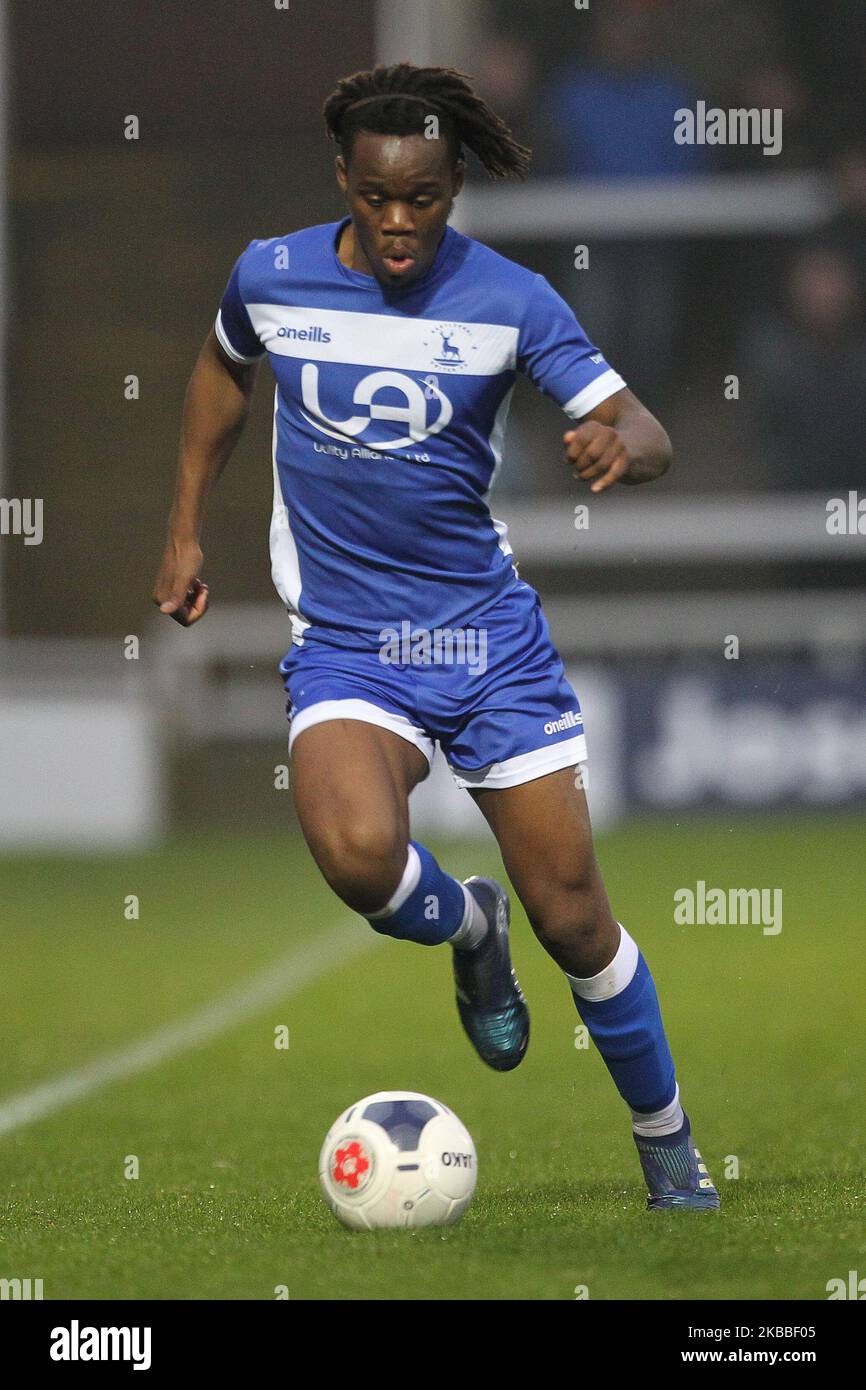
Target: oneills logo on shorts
569	720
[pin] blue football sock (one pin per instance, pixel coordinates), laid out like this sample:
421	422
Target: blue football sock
428	905
620	1008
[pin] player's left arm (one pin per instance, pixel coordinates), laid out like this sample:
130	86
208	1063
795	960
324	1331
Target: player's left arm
619	441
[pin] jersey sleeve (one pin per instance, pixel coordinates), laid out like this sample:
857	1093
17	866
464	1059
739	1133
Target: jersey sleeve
556	355
233	325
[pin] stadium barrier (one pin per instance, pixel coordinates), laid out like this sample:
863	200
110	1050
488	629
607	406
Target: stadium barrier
740	699
789	202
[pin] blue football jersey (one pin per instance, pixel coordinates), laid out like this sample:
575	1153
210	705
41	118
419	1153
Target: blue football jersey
389	417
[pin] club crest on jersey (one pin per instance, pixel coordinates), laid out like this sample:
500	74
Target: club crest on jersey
412	412
447	347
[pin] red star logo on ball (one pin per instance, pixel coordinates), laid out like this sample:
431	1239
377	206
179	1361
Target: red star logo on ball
350	1164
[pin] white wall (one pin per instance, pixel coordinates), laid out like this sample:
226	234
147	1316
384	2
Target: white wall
78	772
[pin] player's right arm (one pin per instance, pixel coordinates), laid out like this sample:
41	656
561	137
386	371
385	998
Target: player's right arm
215	411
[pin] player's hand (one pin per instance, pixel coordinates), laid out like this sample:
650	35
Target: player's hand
178	591
597	452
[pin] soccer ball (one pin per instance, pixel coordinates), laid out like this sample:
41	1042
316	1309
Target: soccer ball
397	1158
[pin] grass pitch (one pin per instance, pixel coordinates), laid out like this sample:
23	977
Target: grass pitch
766	1030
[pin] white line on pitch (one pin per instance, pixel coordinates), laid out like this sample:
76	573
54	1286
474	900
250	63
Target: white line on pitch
287	976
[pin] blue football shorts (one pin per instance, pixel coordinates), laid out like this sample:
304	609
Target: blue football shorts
493	695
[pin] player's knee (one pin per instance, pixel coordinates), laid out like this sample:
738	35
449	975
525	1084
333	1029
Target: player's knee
363	860
573	922
571	928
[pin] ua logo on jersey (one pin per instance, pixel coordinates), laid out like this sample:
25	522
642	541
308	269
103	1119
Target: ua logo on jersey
414	414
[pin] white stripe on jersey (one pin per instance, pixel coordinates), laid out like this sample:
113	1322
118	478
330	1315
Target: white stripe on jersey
497	444
226	346
383	340
285	569
592	395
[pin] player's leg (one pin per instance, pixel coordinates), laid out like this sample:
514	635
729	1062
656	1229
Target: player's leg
544	833
543	830
351	782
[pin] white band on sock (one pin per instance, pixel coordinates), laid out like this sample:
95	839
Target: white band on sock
473	926
666	1121
408	883
614	978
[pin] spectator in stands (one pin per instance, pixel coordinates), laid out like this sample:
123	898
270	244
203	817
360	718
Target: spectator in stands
775	87
713	42
802	383
848	230
614	117
505	72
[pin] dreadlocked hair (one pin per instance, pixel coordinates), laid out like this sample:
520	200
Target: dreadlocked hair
398	100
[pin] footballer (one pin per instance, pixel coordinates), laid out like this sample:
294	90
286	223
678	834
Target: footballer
395	342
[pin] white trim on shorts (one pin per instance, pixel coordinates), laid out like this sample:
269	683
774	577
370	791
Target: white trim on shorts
367	713
525	767
511	772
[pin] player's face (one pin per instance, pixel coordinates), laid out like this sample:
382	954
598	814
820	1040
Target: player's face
399	189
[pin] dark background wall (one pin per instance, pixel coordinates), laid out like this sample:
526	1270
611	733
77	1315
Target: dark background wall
120	250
